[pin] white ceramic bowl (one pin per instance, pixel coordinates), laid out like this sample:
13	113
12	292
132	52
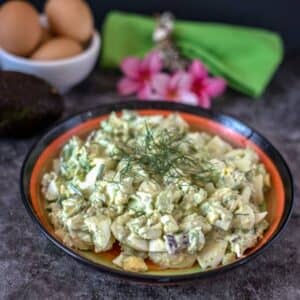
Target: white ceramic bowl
63	74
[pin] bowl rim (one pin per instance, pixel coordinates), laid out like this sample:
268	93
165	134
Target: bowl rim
225	120
93	47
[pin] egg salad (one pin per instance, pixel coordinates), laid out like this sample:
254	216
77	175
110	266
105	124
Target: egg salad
161	190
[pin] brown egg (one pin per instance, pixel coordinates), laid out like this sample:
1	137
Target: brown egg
57	48
20	29
71	18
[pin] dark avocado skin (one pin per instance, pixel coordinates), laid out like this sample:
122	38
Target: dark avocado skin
28	104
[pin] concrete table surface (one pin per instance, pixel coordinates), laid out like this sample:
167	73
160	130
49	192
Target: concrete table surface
31	267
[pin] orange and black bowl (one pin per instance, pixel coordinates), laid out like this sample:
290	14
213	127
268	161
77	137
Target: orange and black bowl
279	198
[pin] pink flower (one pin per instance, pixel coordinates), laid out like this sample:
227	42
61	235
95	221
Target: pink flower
204	86
139	73
143	77
176	87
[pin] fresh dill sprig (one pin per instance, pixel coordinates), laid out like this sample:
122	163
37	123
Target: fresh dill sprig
160	153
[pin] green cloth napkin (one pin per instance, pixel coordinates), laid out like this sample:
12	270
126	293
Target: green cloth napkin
245	57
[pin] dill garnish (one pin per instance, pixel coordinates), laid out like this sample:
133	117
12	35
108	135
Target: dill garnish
74	189
163	153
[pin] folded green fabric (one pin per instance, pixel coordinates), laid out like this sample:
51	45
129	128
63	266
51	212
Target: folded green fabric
245	57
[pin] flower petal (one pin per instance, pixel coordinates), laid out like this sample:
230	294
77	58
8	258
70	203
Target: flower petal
127	86
160	83
198	70
152	62
204	100
180	81
130	67
214	86
146	93
188	98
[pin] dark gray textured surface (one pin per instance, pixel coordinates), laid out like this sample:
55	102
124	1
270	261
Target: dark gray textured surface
32	268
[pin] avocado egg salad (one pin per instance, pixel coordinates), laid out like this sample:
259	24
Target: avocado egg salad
162	191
